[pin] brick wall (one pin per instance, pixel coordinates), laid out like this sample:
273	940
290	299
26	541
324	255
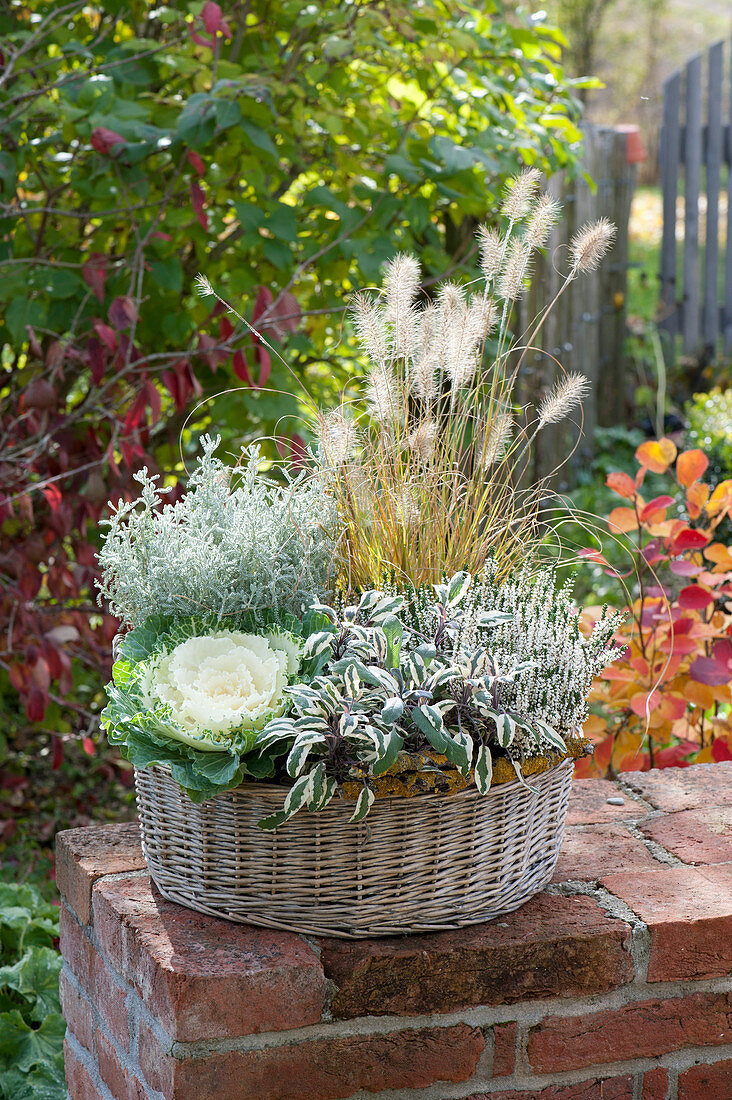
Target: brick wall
613	984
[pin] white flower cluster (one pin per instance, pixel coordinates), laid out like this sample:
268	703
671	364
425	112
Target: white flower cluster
222	549
223	681
544	636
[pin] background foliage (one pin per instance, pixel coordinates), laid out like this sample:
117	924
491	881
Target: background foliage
286	151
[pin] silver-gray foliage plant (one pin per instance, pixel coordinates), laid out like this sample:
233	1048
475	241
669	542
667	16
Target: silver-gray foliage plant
232	544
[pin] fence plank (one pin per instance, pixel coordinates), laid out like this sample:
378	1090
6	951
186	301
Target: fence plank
714	151
727	320
670	155
692	160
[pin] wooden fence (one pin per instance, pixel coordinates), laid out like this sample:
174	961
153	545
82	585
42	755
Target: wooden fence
586	330
696	152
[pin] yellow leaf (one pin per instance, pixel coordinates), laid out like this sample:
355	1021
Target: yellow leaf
656	455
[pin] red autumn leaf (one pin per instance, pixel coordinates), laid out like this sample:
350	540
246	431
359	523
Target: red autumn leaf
688	539
212	358
714	670
135	415
104	140
239	366
690	465
593	556
655	509
34	346
122	313
53	496
213	19
720	750
94	273
199	39
95	356
283	316
622	484
645	702
675	756
35	705
226	329
153	400
265	365
196	161
198	202
261	303
695	597
106	335
89	746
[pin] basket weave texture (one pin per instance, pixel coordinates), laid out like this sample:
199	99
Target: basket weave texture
422	864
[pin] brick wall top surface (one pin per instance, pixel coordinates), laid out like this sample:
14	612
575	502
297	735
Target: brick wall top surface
662	856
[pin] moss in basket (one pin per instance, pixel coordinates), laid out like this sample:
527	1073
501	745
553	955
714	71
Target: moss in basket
468	653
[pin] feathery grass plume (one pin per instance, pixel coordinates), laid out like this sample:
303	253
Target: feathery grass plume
497	440
520	195
516	269
422	381
566	395
337	437
545	216
371	329
492	248
401	286
590	244
203	286
383	397
422	439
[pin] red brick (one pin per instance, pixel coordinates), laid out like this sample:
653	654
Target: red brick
329	1069
504	1049
696	836
202	977
588	803
77	949
644	1029
655	1084
589	853
693	788
85	855
552	946
689	913
122	1084
77	1012
156	1064
78	1081
105	993
609	1088
706	1082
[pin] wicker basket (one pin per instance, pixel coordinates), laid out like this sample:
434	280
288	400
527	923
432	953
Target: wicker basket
421	864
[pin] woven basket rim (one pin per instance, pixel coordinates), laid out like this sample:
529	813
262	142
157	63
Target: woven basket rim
271	791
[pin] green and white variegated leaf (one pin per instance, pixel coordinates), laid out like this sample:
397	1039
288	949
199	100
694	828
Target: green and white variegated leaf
318	643
520	776
388	743
383	679
440	593
392	710
428	720
483	769
347	724
427	652
549	733
414	668
457	587
280	731
459	751
363	805
394	632
300	794
367	602
490	619
505	730
385	608
325	609
351	681
329	788
298	754
442	676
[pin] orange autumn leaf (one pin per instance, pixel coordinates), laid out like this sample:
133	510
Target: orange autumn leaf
622	484
720	555
621	520
657	454
690	465
594	727
696	497
720	501
700	695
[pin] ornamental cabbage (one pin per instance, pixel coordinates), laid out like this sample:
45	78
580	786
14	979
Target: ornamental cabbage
193	694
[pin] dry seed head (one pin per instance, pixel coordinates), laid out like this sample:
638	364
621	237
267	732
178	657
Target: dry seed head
203	286
546	214
423	367
405	505
451	297
337	437
566	395
383	398
492	247
589	245
499	436
482	316
402	276
422	439
521	191
511	285
371	329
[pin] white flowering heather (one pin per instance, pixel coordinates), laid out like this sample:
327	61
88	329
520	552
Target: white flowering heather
226	547
544	635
